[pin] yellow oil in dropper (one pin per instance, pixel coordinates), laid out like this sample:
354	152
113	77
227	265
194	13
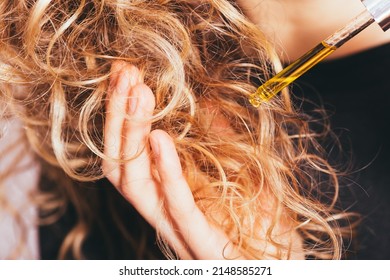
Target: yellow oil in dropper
292	72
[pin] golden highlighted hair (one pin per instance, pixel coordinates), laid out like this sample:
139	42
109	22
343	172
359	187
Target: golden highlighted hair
257	173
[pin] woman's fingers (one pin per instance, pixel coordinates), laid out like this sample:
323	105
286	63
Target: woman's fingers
204	240
124	77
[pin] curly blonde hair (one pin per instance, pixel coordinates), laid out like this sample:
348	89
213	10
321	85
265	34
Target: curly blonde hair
263	178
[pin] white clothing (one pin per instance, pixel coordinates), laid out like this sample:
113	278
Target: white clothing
17	190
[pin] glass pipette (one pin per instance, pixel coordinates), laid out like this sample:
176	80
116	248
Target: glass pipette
376	10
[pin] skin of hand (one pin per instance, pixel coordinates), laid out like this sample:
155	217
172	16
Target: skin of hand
296	26
165	200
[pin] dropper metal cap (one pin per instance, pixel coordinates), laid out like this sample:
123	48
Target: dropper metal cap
380	11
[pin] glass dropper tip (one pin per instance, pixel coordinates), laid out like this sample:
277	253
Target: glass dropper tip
255	100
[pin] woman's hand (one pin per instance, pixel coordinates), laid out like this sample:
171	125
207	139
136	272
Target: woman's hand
164	200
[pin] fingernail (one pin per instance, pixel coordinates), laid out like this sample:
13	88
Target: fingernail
155	147
133	102
123	85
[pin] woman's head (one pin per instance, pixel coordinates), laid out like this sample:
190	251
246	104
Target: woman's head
202	60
